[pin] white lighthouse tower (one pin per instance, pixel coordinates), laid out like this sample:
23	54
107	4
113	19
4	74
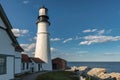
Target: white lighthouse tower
42	50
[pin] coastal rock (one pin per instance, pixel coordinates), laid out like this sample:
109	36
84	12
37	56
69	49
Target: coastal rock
104	76
115	75
86	72
100	74
96	71
74	68
82	68
109	76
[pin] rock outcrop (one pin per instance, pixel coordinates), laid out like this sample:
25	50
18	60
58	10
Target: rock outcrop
95	73
115	75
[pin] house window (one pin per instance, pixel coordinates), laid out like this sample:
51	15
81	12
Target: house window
23	66
27	66
2	64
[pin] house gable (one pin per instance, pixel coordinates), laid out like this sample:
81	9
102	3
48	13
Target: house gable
6	48
36	60
6	26
2	23
25	58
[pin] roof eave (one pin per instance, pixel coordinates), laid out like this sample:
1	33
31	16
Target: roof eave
8	30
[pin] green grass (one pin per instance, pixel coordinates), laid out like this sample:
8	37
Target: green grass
58	75
88	78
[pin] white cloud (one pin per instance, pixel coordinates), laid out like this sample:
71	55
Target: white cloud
55	39
100	32
28	48
98	39
111	54
67	40
77	38
53	50
89	30
33	39
82	52
18	32
25	2
85	43
52	39
108	54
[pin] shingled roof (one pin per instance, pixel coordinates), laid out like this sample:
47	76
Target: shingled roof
25	58
57	58
37	60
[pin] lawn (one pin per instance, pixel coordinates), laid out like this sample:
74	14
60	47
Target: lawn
58	75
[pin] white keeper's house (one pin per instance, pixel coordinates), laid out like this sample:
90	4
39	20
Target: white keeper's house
36	64
10	50
26	64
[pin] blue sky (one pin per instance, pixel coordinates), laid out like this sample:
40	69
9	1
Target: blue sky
80	30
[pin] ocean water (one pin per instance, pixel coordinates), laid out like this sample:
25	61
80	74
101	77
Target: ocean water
110	66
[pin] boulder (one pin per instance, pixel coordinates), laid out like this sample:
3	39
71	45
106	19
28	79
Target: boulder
82	68
96	71
86	72
104	76
115	75
100	74
74	68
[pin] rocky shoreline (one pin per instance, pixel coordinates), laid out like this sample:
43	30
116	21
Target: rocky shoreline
87	73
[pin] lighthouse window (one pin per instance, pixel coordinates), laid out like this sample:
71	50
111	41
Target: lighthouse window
2	64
